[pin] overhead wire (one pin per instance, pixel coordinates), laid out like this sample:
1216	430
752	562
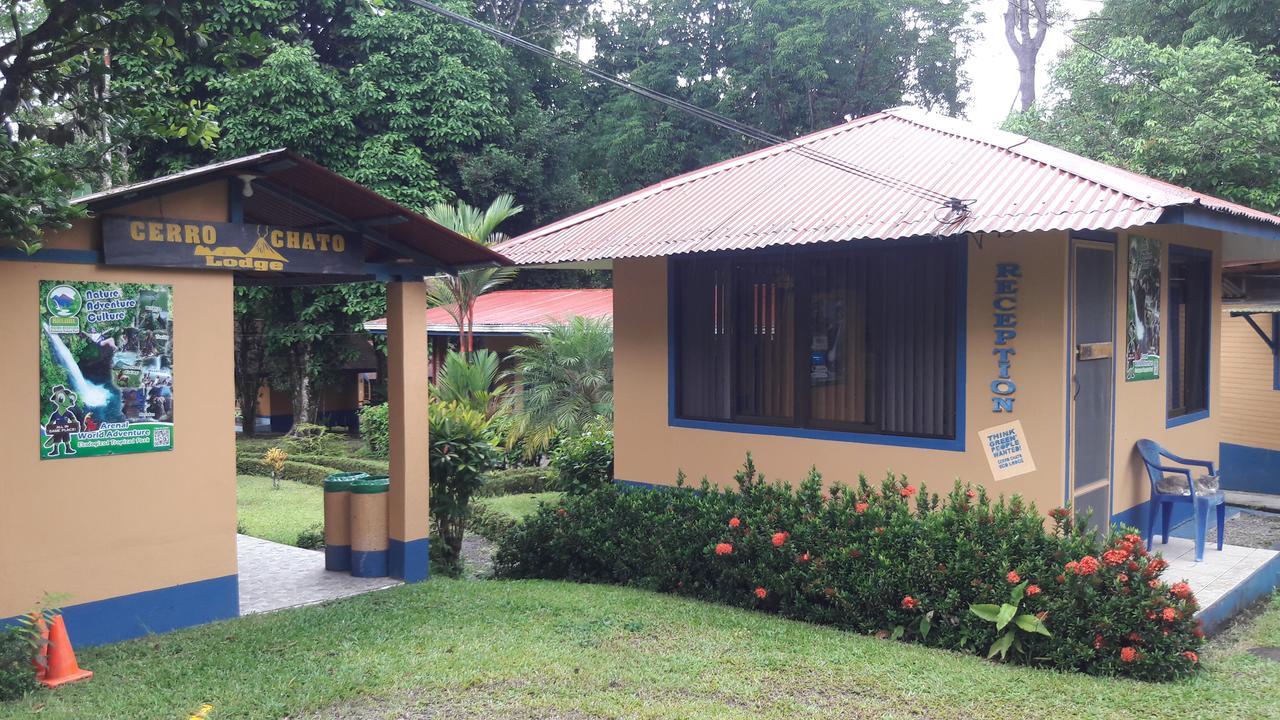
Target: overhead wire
957	205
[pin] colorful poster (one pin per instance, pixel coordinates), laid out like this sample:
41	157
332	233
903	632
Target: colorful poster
1007	451
1142	350
106	368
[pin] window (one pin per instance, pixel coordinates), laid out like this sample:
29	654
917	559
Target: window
853	340
1190	306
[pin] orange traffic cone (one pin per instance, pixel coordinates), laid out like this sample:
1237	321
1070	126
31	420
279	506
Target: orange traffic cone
62	659
41	660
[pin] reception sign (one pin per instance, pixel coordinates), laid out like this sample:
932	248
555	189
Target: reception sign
1142	347
159	242
106	368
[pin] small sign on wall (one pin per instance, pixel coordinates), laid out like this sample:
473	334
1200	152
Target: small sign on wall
1007	450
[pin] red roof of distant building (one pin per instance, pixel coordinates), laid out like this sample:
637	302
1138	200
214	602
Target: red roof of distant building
520	312
777	196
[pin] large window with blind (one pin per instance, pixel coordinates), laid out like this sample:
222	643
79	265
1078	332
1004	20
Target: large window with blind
846	340
1190	308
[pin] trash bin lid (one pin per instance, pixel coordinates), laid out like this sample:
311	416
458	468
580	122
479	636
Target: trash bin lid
341	482
371	484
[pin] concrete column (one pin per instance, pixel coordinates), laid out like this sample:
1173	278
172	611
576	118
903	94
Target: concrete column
407	400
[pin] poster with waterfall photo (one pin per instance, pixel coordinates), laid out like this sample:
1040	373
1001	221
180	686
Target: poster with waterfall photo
1142	348
106	368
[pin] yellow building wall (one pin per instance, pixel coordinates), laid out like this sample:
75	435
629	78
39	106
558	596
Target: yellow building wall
648	450
1250	402
100	527
1141	410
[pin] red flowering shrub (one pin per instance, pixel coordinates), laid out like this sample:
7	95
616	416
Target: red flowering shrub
876	560
734	522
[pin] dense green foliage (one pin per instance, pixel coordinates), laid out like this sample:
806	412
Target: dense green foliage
567	378
462	449
584	461
510	481
17	677
375	429
891	560
472	380
1232	149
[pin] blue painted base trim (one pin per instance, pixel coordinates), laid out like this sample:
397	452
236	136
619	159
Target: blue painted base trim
1249	469
636	485
409	560
281	423
1136	516
369	563
1260	584
151	611
337	557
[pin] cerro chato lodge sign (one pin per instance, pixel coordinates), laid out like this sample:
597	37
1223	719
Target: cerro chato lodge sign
161	242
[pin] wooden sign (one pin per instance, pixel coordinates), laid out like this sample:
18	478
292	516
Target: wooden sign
160	242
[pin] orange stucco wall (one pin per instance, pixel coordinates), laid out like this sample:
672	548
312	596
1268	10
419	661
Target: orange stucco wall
649	450
94	528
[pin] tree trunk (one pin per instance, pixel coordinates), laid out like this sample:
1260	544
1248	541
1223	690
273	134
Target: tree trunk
1027	85
1026	23
303	410
249	371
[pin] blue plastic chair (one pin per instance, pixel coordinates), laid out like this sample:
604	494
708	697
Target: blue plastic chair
1153	456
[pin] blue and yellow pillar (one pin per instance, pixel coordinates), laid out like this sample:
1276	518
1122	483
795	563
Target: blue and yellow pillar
408	517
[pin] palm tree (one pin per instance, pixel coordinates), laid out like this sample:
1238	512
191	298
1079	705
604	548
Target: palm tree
457	293
567	379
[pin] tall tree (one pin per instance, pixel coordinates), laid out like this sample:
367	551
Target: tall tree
1211	121
458	293
1026	23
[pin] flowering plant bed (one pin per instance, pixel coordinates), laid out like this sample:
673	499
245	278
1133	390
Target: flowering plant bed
893	560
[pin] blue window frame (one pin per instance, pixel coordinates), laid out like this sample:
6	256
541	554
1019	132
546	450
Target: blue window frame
1189	331
860	344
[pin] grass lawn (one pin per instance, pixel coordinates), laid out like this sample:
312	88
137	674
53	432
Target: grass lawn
497	649
277	515
518	506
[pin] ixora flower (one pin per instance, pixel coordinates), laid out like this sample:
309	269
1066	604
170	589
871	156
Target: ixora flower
1122	578
861	507
734	522
724	549
1115	557
971	494
779	538
1181	590
1097	642
909	603
1191	655
1060	514
1071	566
1033	590
1128	654
1155	567
1088	565
908	491
1169	614
804	557
762	593
1013	577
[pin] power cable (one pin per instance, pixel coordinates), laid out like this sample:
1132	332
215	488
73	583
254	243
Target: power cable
955	204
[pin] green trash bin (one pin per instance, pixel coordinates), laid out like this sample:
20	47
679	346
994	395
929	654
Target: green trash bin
337	519
369	526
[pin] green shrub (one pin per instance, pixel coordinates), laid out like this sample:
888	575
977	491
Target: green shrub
584	462
345	464
312	538
893	560
308	439
375	429
489	523
462	449
515	481
17	675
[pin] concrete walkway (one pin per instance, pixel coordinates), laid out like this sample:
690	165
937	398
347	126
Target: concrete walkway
275	576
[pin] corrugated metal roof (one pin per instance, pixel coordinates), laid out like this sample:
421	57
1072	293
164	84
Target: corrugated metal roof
323	188
521	312
776	196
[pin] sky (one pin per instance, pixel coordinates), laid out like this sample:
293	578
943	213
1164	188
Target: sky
992	69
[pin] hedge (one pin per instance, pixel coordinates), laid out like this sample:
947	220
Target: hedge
346	464
961	572
302	472
514	481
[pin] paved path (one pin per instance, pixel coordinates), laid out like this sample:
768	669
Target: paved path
275	576
1262	501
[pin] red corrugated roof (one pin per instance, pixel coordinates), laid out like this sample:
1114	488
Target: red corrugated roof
775	196
520	311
